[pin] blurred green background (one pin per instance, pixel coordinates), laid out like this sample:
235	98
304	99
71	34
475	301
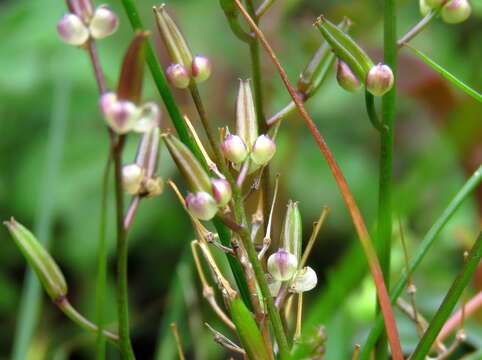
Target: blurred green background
45	82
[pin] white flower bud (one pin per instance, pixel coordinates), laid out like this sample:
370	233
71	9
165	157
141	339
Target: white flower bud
104	22
234	149
122	116
200	69
282	265
263	150
221	191
154	187
456	11
305	280
379	79
72	30
132	176
148	118
201	205
178	76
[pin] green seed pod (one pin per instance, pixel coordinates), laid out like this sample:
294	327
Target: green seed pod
345	47
248	331
246	123
319	66
172	37
292	230
188	165
39	259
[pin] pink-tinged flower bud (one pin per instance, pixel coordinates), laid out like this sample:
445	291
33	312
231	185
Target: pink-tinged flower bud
121	116
379	79
456	11
72	30
132	176
82	8
282	265
263	150
107	100
305	280
234	149
148	118
201	205
424	7
434	3
103	23
200	69
178	76
346	78
221	191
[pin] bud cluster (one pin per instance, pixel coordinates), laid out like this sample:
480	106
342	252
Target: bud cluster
84	22
284	264
123	116
180	76
453	11
247	145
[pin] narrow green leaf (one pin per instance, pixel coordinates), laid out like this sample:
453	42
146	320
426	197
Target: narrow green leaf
464	87
248	331
449	301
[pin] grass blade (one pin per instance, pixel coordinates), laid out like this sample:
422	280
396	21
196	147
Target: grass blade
449	301
464	87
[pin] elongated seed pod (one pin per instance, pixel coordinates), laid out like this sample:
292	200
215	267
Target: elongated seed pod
291	233
39	259
246	123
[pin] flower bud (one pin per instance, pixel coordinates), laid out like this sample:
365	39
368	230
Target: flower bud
82	8
282	265
456	11
172	38
72	30
178	76
120	115
188	165
104	22
379	79
153	187
434	3
200	69
132	177
424	7
201	205
221	191
148	118
234	149
263	150
292	231
305	280
246	124
43	264
346	78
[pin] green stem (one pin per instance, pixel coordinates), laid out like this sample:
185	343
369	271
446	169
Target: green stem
102	263
85	324
30	301
449	301
423	250
383	243
122	252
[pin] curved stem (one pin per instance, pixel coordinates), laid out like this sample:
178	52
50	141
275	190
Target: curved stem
372	113
122	251
80	320
345	191
94	58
